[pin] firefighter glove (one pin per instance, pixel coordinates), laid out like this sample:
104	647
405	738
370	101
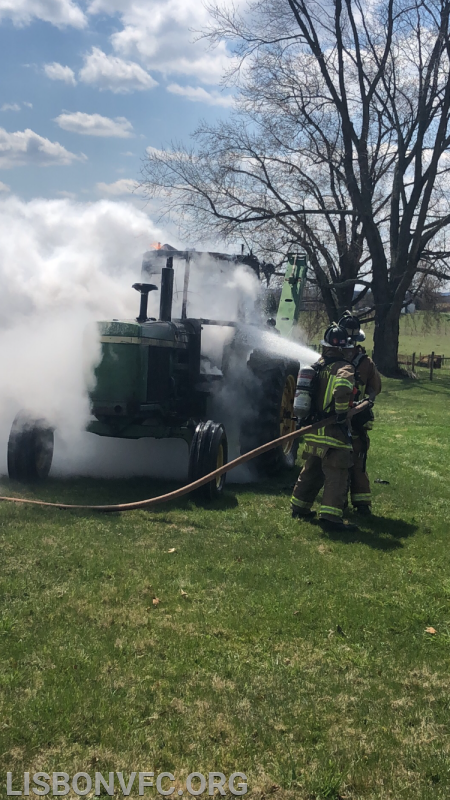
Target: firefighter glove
342	423
363	417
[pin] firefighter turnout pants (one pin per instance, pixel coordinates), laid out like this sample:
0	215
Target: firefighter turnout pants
330	471
359	479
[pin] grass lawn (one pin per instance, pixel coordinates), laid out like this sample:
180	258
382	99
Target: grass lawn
299	658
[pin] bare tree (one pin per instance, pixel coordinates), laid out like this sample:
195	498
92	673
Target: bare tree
339	144
425	292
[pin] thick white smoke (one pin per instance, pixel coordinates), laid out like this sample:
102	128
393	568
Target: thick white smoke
63	266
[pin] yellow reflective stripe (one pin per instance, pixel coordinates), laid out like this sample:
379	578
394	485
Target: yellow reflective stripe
336	512
327	440
333	383
344	382
361	497
329	392
341	406
314	450
300	503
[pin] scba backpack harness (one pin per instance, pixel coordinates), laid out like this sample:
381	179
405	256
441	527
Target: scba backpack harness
308	389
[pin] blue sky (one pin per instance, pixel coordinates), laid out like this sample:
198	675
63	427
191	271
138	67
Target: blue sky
87	86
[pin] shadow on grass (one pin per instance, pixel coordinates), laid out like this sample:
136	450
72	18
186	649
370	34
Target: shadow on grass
380	533
190	502
102	491
108	491
281	484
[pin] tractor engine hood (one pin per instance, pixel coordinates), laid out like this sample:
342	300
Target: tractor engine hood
144	367
151	333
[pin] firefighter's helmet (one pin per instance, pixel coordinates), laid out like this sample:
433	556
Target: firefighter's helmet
335	336
351	324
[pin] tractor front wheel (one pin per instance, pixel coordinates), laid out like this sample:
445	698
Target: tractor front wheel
30	448
208	452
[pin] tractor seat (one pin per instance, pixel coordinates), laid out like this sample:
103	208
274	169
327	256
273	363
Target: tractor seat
144	288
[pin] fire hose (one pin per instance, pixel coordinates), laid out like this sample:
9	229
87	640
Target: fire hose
190	487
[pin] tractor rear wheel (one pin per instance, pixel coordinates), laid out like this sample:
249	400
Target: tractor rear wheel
30	448
270	399
208	452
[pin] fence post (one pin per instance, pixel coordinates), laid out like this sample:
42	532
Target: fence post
431	365
413	362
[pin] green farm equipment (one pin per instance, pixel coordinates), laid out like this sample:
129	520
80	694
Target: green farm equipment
291	294
154	381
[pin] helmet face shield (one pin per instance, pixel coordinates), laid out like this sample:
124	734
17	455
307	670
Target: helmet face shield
356	337
351	324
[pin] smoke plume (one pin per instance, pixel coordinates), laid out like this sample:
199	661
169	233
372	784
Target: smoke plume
65	265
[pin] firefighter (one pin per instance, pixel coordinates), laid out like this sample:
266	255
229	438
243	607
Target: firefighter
368	382
328	451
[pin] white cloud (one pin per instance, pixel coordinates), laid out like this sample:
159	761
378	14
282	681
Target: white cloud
158	33
56	72
4	187
65	193
61	13
95	125
28	105
27	147
115	74
10	107
120	187
166	154
155	151
108	6
199	95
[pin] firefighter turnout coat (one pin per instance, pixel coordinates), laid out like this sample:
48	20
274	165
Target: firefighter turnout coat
334	394
368	379
328	452
368	382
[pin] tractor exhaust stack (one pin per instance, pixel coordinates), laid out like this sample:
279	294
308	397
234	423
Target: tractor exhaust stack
143	289
166	296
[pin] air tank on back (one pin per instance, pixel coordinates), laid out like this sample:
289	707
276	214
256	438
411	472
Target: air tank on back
303	392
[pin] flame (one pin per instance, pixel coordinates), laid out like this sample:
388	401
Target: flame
156	245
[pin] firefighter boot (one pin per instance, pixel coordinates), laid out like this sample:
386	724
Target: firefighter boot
298	513
363	509
337	525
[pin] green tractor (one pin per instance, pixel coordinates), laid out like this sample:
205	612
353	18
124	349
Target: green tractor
153	381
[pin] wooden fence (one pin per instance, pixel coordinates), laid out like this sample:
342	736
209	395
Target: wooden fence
430	361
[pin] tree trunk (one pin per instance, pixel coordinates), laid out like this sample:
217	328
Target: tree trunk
385	341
